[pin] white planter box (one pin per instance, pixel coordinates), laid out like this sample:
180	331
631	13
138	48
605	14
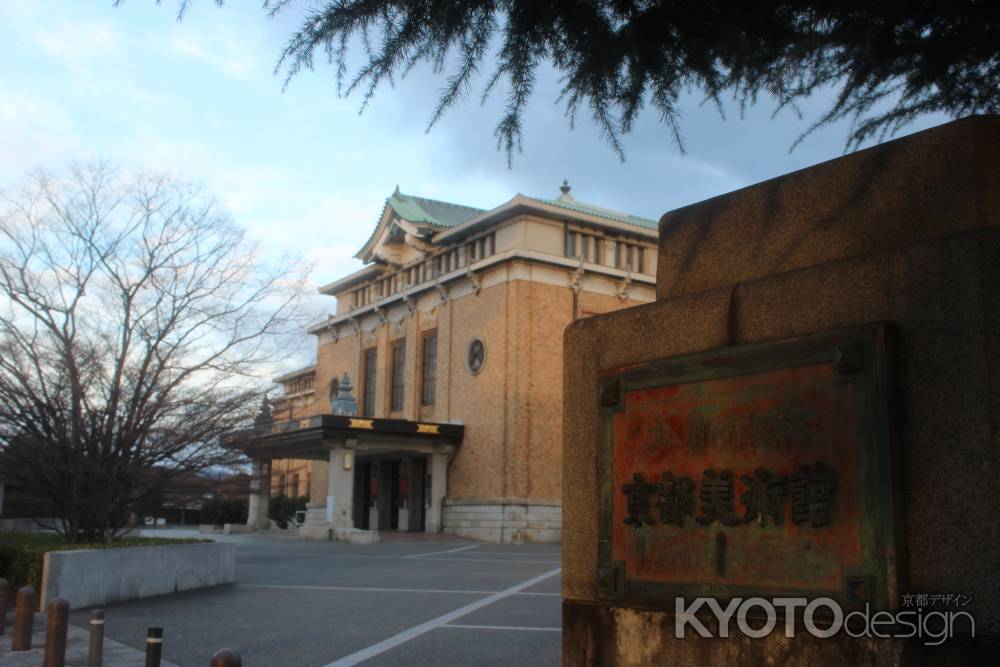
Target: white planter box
91	577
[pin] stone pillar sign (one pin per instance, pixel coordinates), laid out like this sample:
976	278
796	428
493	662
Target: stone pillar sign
792	456
258	509
340	487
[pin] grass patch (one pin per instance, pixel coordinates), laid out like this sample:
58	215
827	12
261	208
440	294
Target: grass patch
22	555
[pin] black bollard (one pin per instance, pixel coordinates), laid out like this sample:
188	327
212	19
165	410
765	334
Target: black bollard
56	626
24	619
96	638
226	658
154	647
4	595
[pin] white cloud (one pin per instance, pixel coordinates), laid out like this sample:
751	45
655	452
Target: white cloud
230	54
36	132
76	41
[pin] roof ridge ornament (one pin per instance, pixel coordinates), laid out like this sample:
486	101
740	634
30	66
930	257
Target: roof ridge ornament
564	189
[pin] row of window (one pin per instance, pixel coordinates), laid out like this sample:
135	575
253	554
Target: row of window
288	485
397	374
428	269
608	252
299	385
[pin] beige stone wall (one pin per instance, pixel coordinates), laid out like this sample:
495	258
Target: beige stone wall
513	438
511	409
480	401
906	233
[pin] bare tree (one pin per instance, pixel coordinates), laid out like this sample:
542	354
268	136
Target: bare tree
135	318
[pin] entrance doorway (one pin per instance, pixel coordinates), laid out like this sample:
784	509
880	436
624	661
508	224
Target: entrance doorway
390	494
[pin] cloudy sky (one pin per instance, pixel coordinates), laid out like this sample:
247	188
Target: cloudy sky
301	169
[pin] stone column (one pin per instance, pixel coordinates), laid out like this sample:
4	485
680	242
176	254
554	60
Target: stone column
340	486
439	488
260	496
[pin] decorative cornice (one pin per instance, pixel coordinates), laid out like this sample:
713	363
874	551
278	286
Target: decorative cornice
442	291
624	286
411	304
576	279
480	268
476	279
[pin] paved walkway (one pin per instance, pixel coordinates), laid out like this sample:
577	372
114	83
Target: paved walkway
77	649
332	604
402	602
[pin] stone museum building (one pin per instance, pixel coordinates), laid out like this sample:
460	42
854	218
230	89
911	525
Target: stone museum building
435	403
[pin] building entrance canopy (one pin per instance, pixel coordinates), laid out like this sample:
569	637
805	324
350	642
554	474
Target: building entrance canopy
313	437
412	457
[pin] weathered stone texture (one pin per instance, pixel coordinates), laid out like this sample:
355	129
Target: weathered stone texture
927	185
908	233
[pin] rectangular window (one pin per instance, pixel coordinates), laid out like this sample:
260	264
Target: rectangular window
398	367
428	369
640	260
368	409
572	243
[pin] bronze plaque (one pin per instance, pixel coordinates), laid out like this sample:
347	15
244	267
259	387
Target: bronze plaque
763	469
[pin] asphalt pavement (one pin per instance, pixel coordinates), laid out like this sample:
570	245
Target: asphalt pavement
326	604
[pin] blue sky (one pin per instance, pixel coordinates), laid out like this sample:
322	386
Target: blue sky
301	169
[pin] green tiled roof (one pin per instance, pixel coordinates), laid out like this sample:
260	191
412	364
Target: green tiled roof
590	209
440	215
430	211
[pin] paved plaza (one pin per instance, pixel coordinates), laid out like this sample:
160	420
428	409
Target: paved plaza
316	604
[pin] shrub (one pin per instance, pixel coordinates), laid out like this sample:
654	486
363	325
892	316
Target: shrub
283	508
225	510
22	555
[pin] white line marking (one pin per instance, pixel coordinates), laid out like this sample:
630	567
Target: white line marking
417	630
518	553
375	589
435	553
502	627
494	560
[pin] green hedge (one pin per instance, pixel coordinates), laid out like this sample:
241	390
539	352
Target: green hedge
283	508
224	510
22	555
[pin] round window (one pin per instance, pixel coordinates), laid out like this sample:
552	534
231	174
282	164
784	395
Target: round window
477	355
